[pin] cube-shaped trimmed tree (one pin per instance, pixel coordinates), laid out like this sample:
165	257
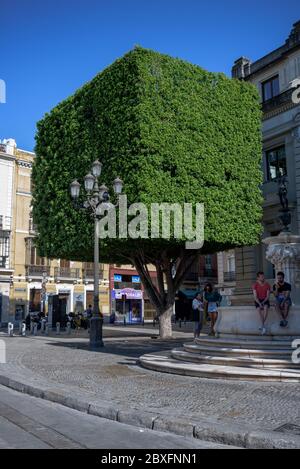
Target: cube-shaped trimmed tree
174	133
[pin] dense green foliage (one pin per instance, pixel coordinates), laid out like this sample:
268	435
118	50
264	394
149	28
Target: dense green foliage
173	132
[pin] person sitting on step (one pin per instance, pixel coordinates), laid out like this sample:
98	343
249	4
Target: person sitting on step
282	292
261	292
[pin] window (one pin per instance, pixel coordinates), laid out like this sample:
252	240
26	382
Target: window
208	262
4	251
32	258
231	264
270	88
276	163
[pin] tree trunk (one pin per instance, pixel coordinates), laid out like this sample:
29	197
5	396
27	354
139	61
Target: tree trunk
165	324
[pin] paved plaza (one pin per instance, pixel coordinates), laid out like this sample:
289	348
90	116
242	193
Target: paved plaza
112	377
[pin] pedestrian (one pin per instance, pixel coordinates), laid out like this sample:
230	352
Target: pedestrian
89	312
198	313
282	291
261	292
212	300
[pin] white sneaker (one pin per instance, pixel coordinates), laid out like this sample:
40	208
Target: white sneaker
263	331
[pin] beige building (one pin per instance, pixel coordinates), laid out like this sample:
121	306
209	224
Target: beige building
27	281
275	76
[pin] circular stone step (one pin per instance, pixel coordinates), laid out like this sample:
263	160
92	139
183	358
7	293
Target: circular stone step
237	352
242	343
169	365
233	361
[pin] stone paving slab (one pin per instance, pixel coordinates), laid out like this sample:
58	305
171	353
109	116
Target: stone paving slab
114	384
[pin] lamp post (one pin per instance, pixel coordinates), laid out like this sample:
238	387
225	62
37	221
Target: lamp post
94	196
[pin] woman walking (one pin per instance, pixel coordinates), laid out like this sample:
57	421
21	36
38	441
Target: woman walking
212	300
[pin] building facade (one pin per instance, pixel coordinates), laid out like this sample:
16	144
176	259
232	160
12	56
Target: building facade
275	77
27	281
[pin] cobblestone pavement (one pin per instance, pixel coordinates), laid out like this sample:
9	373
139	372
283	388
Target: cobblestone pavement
112	375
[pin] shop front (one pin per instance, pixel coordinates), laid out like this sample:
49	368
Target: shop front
128	305
127	298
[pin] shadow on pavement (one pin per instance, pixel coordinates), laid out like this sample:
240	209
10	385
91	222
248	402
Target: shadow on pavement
125	348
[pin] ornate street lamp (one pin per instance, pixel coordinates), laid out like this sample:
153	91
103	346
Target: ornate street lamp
118	186
97	169
94	196
89	182
75	189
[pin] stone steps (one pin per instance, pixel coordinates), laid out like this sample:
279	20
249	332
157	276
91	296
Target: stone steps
234	361
254	358
221	351
264	342
170	365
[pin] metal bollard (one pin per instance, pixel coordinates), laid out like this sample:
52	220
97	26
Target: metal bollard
35	329
47	329
22	329
43	326
125	321
10	329
68	328
31	327
58	328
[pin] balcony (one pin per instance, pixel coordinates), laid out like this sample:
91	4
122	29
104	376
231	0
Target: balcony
278	104
66	273
88	273
37	271
229	276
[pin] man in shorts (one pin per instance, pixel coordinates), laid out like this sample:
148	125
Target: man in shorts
282	292
261	292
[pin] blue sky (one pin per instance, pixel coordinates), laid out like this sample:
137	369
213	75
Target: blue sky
50	48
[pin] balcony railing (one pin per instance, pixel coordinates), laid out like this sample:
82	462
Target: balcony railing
66	273
278	101
88	274
122	285
229	276
37	270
